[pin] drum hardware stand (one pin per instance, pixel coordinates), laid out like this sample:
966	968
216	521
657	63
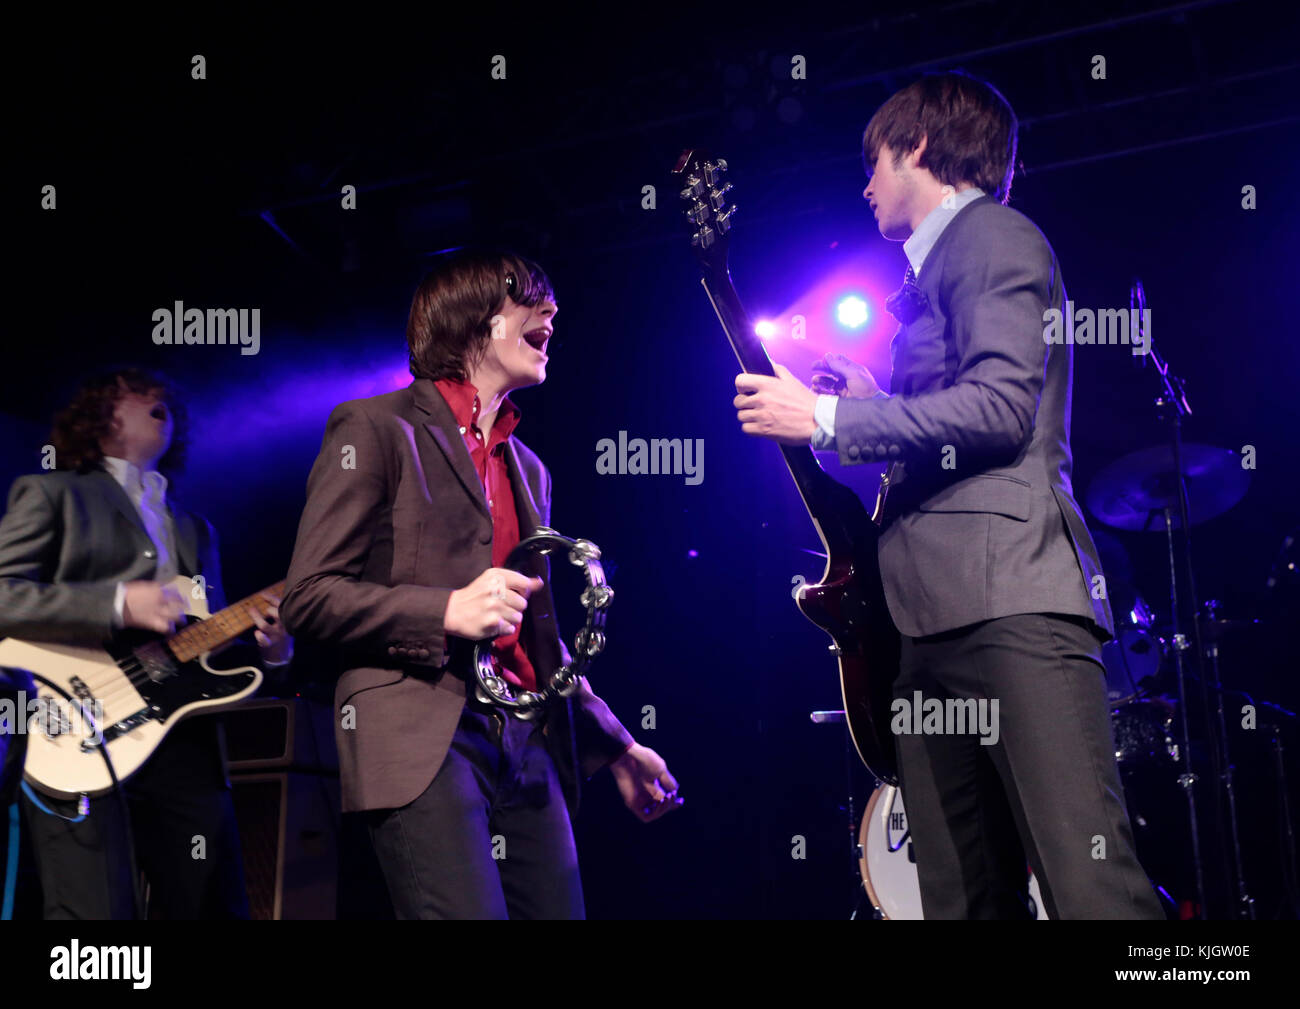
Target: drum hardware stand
860	901
1289	880
1245	903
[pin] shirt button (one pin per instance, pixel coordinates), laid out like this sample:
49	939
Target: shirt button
462	430
150	554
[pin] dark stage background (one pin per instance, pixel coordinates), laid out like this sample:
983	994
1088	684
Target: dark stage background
225	192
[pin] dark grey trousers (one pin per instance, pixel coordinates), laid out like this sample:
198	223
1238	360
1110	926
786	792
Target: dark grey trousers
179	795
1047	793
490	837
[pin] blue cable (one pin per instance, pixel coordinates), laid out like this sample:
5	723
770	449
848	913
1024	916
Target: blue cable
11	865
36	801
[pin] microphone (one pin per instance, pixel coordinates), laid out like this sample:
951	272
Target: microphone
1137	303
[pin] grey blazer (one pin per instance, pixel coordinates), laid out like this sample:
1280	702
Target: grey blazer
983	523
67	539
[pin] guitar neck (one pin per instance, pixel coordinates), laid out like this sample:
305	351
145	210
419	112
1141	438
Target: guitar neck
815	487
222	627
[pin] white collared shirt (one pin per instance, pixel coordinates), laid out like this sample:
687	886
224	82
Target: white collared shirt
148	492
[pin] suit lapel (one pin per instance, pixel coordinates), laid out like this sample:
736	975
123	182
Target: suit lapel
525	504
117	497
928	281
443	428
187	541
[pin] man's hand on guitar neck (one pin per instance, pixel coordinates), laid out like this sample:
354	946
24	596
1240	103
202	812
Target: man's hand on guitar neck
778	407
272	638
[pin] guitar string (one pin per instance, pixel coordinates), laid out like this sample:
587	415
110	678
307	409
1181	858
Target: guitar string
110	690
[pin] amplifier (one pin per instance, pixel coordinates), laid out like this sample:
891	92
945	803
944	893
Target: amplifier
284	772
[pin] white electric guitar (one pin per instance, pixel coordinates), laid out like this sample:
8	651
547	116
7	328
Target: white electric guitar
132	691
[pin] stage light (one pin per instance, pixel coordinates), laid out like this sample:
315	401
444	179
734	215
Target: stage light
852	312
765	328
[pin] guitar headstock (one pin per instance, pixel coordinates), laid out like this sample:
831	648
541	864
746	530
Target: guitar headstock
707	208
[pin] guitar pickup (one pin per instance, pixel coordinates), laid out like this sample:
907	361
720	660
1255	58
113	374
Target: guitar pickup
120	728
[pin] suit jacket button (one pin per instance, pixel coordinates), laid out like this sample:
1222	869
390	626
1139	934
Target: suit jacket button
422	653
881	450
486	537
392	650
854	451
151	554
895	451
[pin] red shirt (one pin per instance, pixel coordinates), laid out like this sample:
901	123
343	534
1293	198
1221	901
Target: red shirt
490	463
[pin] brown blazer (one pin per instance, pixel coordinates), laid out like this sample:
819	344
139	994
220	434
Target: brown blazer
395	520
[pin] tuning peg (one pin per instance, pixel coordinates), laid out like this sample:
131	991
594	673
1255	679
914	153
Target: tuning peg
698	214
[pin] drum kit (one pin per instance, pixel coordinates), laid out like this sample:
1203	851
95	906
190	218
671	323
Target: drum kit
1137	493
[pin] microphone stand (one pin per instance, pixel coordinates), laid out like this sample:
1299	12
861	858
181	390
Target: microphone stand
1172	406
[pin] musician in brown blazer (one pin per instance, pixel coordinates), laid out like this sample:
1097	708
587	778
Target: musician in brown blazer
415	499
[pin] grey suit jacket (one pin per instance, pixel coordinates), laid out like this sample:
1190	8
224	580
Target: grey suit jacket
395	520
67	539
984	523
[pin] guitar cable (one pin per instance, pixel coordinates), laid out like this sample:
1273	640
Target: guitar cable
83	806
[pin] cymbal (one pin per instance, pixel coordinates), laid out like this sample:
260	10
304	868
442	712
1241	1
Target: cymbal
1133	492
1216	630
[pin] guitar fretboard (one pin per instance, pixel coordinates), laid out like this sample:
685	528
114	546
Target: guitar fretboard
221	627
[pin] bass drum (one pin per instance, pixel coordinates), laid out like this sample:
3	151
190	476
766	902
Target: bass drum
888	866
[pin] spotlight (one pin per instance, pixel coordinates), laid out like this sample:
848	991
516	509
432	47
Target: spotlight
765	328
852	312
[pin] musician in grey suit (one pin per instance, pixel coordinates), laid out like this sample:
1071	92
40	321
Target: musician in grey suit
87	549
989	571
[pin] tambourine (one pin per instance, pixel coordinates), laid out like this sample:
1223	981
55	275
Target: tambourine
587	643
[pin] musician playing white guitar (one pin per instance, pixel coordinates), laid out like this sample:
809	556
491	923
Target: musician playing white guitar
87	550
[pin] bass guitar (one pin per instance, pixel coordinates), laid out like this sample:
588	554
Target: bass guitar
129	693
